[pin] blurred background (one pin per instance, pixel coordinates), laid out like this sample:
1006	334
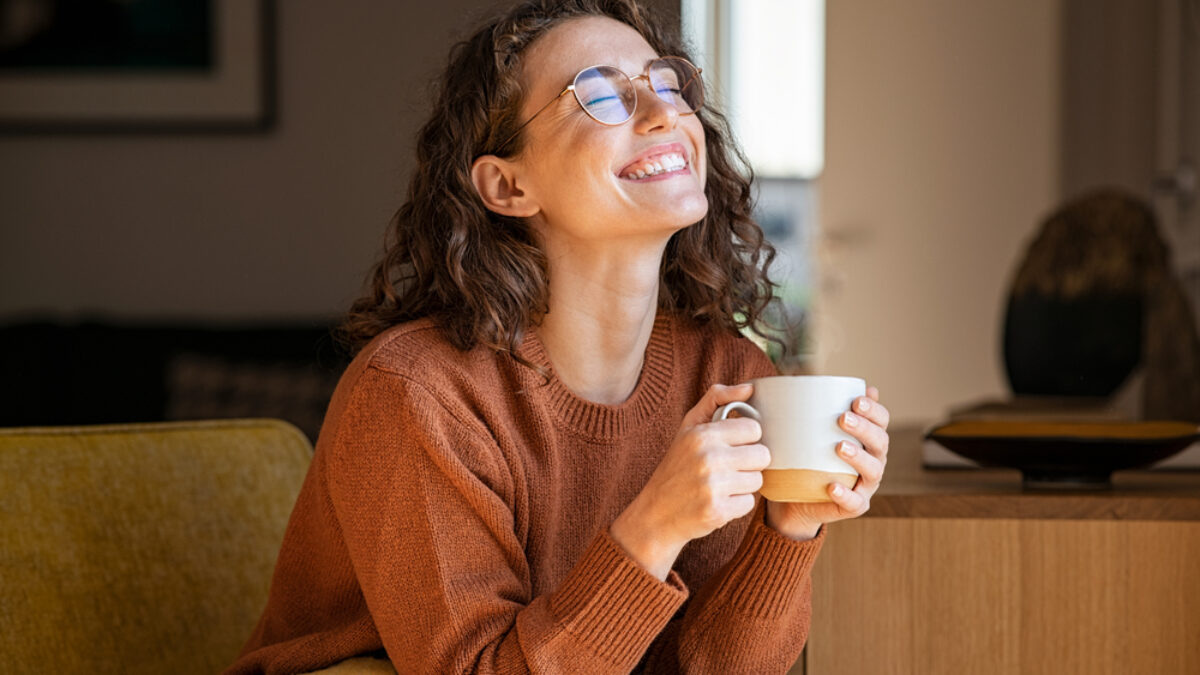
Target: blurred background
226	196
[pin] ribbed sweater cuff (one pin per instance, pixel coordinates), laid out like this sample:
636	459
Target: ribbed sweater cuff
767	576
611	603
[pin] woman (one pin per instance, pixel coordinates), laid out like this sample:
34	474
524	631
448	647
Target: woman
518	472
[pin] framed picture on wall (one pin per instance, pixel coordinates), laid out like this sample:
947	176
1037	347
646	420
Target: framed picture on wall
101	66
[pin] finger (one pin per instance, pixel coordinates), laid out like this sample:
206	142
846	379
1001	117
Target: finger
745	482
869	468
873	392
872	437
753	457
851	502
742	504
734	431
873	410
716	396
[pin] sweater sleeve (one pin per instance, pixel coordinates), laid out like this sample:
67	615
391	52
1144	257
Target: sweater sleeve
420	495
752	616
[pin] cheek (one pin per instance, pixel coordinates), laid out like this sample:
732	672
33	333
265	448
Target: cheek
579	153
701	149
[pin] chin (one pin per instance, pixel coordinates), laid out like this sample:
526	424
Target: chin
677	223
673	215
693	211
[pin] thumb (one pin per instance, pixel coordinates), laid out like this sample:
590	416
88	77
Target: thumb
716	396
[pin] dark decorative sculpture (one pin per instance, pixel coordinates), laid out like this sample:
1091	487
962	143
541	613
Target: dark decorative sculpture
1094	299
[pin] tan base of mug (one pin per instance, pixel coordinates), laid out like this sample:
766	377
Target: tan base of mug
802	485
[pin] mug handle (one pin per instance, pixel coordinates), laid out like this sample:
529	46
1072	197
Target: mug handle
740	406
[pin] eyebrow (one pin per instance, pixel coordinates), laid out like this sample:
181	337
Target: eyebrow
645	65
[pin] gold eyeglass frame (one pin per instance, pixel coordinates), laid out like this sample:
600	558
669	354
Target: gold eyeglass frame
644	76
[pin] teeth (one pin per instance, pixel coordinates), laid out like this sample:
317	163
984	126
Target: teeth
670	162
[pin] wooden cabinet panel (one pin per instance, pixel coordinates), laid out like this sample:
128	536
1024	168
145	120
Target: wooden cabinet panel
958	595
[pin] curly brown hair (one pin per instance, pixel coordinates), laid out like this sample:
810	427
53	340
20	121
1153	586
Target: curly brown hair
480	275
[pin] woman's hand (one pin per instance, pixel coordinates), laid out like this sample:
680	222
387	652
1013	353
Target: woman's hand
707	478
869	457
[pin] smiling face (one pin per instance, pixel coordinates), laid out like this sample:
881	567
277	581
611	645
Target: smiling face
592	181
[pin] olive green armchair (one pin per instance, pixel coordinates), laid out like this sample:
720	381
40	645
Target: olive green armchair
142	548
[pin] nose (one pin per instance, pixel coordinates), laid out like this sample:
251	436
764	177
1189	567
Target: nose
653	113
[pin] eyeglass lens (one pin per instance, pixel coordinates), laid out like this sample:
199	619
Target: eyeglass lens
608	95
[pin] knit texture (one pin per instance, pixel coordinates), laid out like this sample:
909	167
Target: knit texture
456	515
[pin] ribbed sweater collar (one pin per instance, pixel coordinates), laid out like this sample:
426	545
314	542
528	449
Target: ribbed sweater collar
600	421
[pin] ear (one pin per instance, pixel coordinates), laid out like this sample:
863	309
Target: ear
496	181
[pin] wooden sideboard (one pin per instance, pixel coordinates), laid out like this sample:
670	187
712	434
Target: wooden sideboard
961	571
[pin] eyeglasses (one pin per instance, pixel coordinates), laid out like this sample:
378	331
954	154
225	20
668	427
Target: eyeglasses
608	96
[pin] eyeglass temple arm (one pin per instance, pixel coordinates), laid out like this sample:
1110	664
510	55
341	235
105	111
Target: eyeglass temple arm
564	92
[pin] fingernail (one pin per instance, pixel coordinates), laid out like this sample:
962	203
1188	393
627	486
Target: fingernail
851	420
838	490
847	449
863	405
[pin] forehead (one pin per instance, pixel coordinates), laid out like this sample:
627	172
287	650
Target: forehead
554	59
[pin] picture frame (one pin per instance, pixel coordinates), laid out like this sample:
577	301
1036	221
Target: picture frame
232	92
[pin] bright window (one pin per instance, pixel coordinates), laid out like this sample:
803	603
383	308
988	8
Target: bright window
766	61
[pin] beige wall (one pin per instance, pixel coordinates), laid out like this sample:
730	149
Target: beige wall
942	154
1110	95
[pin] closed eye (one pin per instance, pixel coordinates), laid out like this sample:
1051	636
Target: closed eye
602	100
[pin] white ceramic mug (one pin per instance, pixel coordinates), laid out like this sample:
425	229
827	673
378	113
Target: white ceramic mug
799	418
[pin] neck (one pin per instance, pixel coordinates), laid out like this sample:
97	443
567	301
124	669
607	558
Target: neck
603	301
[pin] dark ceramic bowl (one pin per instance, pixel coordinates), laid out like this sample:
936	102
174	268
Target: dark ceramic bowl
1065	455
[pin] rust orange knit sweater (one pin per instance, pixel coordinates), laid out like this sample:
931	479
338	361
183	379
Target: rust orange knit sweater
456	514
